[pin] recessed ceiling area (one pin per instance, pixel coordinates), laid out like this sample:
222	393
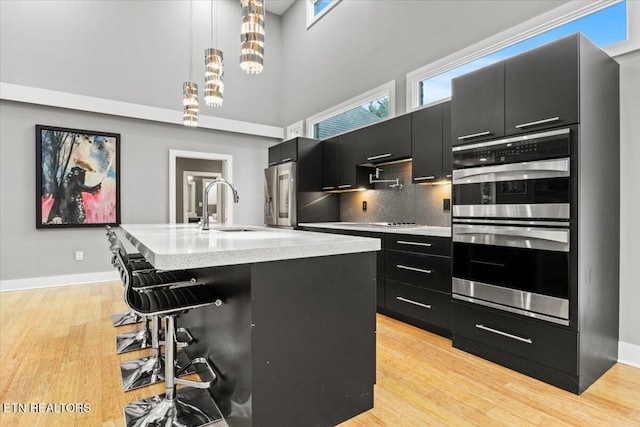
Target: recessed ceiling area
278	6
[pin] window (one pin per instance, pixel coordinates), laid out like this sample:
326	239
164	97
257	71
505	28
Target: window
604	26
370	107
316	9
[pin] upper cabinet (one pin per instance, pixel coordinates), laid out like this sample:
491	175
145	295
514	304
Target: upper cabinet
385	141
541	87
284	152
477	105
535	90
431	143
339	170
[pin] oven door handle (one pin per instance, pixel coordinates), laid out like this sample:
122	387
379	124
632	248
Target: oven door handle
556	168
520	237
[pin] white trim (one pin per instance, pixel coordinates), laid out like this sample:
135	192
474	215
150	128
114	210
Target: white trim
227	173
52	98
387	89
629	354
53	281
567	12
311	18
294	130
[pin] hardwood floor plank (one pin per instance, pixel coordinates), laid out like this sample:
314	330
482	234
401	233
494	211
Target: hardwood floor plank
57	345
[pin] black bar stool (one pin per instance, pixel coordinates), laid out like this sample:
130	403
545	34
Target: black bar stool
189	406
147	370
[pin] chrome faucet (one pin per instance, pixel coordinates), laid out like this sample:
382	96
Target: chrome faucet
205	200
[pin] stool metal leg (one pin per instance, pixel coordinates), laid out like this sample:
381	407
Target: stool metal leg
132	341
129	318
189	406
150	370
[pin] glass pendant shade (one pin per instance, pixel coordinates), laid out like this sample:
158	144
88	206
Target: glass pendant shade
190	102
213	73
252	36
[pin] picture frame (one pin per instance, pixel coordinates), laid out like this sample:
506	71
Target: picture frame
77	178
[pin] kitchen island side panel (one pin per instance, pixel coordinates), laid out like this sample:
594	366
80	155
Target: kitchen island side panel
313	339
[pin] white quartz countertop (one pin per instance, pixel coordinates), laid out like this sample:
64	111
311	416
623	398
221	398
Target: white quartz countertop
419	230
183	246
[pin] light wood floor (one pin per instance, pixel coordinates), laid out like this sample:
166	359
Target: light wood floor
57	346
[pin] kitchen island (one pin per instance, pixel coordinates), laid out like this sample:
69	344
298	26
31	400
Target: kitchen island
294	341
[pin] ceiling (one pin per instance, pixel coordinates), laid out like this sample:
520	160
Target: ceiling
277	6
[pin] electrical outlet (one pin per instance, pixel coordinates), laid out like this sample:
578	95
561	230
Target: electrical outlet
446	205
364	206
79	256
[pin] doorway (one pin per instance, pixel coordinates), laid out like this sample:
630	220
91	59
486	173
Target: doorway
193	185
205	166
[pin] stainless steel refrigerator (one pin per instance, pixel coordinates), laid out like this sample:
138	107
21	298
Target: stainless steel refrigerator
280	195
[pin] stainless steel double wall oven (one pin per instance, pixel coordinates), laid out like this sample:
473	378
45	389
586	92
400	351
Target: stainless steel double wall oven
513	205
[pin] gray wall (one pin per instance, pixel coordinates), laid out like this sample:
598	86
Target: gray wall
144	170
136	51
360	45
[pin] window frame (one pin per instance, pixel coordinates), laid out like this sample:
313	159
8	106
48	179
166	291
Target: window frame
554	18
311	17
386	89
294	130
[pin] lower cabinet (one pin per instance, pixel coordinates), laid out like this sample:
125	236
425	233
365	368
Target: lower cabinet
533	347
423	305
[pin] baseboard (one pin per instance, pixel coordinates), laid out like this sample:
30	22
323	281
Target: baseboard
53	281
629	354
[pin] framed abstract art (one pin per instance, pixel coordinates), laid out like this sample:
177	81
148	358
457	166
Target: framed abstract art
77	178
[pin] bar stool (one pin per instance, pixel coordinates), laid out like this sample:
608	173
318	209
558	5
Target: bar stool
127	318
192	405
147	370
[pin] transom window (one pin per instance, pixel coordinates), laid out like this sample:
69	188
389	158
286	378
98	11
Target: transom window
316	9
370	107
603	27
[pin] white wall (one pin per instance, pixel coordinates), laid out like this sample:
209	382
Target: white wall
26	252
136	51
630	198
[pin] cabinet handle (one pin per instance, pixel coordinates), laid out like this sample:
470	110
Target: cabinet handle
419	270
504	334
344	186
404	242
286	160
273	163
473	135
380	156
328	188
413	302
448	175
539	122
423	178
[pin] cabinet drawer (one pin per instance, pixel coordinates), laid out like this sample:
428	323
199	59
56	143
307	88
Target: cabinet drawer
420	244
536	341
425	271
418	303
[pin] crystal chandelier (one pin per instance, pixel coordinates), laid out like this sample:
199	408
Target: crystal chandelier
252	36
189	88
213	72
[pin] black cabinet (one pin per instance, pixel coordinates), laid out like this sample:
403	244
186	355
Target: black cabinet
431	143
275	154
284	152
385	141
330	165
541	87
477	105
418	280
339	170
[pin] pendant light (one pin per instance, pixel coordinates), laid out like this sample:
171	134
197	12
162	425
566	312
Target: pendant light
252	36
213	73
189	88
